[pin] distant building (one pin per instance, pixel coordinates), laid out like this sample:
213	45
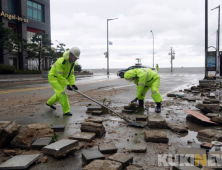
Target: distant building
25	17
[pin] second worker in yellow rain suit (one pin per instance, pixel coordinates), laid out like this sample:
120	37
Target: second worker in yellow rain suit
145	78
62	75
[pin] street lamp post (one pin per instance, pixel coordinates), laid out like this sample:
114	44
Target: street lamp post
218	39
107	54
153	47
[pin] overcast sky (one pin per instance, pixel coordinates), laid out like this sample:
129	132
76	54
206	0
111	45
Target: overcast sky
175	23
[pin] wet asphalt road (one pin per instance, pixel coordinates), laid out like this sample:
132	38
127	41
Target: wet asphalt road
102	83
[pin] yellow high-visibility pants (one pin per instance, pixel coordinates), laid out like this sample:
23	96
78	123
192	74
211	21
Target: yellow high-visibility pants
60	95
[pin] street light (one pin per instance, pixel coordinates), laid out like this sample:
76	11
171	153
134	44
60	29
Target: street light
107	54
153	47
218	36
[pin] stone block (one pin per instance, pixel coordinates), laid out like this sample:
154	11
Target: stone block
40	143
208	108
138	149
97	112
8	132
103	164
156	136
38	126
20	162
133	167
141	118
60	147
124	159
90	155
211	115
208	134
108	148
217	119
58	128
94	120
206	145
156	122
177	127
97	128
92	108
83	136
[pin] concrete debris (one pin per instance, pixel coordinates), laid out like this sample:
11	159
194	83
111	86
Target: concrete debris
211	115
210	134
156	136
133	167
124	159
103	164
97	112
58	128
156	122
27	135
141	118
8	130
92	154
60	148
138	148
83	136
206	145
97	128
44	159
208	108
94	120
20	162
10	152
108	148
41	142
177	127
217	119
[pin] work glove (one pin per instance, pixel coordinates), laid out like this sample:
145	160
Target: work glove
69	87
74	87
135	100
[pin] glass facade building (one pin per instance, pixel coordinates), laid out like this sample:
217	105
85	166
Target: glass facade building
25	17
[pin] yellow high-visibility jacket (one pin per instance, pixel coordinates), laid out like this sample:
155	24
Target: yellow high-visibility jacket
63	70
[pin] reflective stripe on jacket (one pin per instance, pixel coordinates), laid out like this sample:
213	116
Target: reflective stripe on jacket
63	70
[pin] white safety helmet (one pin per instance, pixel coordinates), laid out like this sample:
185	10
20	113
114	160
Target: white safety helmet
75	51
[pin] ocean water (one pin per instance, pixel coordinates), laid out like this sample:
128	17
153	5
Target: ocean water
185	70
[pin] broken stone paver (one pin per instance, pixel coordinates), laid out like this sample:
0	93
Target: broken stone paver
138	148
94	120
103	164
9	152
177	127
91	108
206	145
27	135
124	159
156	136
8	132
3	124
207	134
92	154
83	136
211	115
141	118
60	147
217	119
97	128
211	95
20	162
108	148
58	128
97	112
40	143
133	167
208	108
156	122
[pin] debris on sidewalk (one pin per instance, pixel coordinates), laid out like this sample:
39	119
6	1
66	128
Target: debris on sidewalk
108	148
156	122
177	127
156	136
124	159
60	148
92	154
20	162
97	128
40	143
83	136
58	128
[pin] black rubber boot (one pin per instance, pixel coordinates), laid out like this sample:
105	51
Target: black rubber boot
68	114
141	103
53	107
158	108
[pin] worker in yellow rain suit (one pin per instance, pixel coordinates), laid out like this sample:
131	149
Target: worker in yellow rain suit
145	78
157	67
62	75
